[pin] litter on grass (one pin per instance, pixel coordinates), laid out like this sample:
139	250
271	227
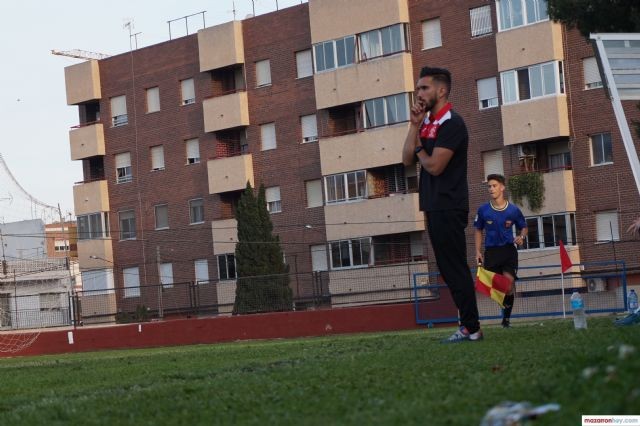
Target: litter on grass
510	413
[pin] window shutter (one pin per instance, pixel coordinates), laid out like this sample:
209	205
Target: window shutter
591	72
131	278
202	270
193	150
268	136
487	88
314	193
606	225
480	21
319	258
166	274
492	161
272	194
188	91
431	36
118	106
263	73
157	157
123	160
153	99
304	63
309	128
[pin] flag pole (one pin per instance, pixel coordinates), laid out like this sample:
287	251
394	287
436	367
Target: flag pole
564	313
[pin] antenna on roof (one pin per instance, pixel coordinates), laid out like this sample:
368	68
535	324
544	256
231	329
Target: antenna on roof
186	21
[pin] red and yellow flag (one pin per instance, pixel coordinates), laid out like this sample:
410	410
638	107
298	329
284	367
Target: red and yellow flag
492	285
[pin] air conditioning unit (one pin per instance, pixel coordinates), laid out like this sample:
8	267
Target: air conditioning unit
595	285
526	150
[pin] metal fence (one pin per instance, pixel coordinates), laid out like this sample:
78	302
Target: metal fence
603	287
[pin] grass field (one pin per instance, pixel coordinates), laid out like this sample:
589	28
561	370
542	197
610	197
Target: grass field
387	378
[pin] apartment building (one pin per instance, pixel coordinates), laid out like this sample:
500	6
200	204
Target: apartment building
170	134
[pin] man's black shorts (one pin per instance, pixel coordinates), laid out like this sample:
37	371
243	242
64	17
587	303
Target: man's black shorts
501	259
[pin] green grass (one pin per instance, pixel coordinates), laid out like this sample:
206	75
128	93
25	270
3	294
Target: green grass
387	378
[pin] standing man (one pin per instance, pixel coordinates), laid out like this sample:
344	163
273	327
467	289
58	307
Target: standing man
438	139
497	218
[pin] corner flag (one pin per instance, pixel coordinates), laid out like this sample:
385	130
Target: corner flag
565	260
492	285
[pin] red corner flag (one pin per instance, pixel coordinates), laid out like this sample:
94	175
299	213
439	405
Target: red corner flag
565	261
493	285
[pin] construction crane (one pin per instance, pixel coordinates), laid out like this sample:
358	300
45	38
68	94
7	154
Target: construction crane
80	54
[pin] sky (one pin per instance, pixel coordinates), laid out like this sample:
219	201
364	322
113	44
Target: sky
35	118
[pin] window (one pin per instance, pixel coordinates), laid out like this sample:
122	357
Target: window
592	79
492	162
487	93
431	36
607	226
515	13
547	231
274	205
227	267
93	226
193	151
49	301
153	99
350	253
388	110
268	136
166	275
346	187
314	193
127	225
263	73
335	53
560	161
532	82
601	149
188	91
123	168
61	245
380	42
201	267
309	128
162	216
304	63
196	211
480	18
157	157
131	279
319	258
119	111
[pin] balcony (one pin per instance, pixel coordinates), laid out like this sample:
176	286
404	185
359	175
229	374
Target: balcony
535	119
221	46
230	174
365	80
95	254
528	45
543	257
82	82
87	141
91	197
226	112
395	214
333	19
225	235
363	150
559	194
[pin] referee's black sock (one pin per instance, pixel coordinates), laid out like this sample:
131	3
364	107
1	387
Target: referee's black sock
508	306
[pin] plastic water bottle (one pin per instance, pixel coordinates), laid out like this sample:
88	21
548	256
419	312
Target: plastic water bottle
577	305
633	301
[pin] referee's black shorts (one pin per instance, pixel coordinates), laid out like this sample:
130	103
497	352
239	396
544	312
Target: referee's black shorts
501	259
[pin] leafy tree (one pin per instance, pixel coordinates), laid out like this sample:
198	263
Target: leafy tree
590	16
263	279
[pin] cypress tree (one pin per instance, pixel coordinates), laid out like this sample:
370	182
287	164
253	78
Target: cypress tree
263	279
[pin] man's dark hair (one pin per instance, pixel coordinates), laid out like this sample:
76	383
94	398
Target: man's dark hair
440	75
497	177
